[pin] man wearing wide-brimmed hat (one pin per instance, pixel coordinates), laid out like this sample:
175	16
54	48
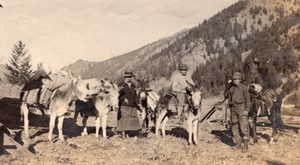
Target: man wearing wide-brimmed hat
129	104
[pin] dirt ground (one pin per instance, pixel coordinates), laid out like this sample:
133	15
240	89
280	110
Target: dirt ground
214	143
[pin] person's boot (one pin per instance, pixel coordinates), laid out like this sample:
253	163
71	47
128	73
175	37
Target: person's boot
238	146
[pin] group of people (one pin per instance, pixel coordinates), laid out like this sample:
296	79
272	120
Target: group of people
238	95
128	119
241	99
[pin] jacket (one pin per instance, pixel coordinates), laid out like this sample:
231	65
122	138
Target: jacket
128	92
239	94
180	83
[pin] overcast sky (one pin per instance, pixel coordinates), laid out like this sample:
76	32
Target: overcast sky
59	32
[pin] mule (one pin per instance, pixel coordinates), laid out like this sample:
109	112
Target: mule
65	88
149	100
193	113
264	104
104	98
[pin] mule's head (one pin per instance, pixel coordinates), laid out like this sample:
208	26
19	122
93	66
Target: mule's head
114	97
142	95
196	99
112	90
80	89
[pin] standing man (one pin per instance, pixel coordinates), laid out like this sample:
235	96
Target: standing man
251	73
129	103
239	103
181	83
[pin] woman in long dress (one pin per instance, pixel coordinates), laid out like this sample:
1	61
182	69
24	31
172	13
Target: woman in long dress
129	103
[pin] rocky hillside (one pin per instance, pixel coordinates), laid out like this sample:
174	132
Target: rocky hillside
220	45
114	67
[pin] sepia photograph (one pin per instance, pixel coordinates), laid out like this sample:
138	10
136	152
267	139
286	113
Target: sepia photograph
119	82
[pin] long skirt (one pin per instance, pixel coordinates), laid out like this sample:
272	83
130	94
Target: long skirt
128	119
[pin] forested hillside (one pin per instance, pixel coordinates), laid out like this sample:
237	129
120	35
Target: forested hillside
217	47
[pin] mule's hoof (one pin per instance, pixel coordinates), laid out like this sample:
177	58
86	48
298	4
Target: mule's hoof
244	150
62	139
50	139
255	141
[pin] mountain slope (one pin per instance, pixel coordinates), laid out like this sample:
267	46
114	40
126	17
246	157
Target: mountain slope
114	67
220	45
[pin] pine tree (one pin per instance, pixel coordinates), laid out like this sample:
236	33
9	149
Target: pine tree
19	66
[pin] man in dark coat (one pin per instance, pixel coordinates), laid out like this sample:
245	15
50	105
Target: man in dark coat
251	73
129	104
239	103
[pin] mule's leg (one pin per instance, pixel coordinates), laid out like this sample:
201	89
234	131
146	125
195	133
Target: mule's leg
84	121
104	120
25	113
163	125
97	126
142	118
254	130
60	127
159	120
51	126
143	115
195	132
190	128
76	115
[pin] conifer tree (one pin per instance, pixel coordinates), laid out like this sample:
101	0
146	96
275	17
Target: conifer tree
19	65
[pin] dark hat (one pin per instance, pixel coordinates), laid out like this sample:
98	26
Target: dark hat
128	74
255	59
237	76
183	67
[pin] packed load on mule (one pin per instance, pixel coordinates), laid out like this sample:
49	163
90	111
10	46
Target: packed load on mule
265	97
33	91
57	93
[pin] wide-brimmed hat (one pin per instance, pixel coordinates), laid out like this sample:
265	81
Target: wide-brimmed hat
128	74
237	76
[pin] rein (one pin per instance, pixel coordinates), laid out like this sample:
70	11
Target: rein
191	103
211	112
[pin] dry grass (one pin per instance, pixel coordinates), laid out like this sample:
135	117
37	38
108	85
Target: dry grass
214	143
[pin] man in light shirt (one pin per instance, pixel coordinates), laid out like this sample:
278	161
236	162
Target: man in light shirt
181	84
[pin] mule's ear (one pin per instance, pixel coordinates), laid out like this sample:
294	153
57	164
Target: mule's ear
69	72
120	88
102	81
